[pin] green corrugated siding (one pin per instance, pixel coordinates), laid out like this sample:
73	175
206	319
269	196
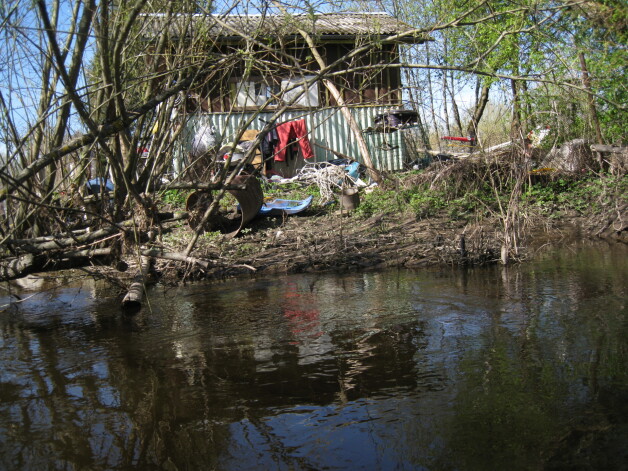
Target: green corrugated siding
327	128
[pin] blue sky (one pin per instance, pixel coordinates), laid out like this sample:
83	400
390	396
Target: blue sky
23	50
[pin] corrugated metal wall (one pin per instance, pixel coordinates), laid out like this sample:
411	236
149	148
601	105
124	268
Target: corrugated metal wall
327	128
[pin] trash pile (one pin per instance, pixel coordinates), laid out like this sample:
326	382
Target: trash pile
330	177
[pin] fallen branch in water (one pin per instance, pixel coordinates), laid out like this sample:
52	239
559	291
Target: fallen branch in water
145	275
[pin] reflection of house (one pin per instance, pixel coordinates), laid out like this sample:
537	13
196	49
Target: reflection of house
274	67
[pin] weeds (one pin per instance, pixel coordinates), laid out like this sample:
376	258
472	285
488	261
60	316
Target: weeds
293	191
381	201
174	198
424	202
589	195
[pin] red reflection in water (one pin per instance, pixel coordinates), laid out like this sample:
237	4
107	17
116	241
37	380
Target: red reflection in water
301	311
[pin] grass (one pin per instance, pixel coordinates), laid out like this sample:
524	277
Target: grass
290	191
174	199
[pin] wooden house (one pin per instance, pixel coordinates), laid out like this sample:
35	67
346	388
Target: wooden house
266	65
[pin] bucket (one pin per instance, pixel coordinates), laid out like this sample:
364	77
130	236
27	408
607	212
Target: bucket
350	199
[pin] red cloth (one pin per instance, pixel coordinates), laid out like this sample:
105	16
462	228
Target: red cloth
293	130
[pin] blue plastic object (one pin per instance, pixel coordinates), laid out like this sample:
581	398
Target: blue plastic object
278	207
94	185
353	170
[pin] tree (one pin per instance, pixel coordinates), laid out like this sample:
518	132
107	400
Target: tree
534	47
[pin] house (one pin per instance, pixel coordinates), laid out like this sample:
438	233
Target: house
268	66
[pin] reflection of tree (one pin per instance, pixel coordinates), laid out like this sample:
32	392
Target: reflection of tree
506	407
74	399
504	411
536	392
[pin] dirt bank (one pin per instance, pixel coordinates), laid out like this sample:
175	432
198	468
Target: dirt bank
323	240
409	222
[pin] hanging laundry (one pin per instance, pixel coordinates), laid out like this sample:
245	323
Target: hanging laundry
269	143
292	130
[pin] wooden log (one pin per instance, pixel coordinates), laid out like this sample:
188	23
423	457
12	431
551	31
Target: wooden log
87	253
43	244
42	239
177	257
132	301
68	242
30	263
618	162
610	149
17	267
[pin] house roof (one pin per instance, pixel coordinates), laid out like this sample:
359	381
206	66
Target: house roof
324	26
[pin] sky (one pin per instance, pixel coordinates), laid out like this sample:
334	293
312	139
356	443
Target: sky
22	52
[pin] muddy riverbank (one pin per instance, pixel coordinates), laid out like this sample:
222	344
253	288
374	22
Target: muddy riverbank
330	240
408	222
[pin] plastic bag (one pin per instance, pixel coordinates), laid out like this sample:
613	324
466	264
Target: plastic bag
204	140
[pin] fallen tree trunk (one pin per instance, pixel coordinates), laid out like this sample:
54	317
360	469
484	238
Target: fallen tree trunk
17	267
40	245
609	148
29	263
618	160
60	244
42	239
77	249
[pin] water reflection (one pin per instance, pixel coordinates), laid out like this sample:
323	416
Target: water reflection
518	368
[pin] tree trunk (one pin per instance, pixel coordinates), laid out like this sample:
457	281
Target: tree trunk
477	114
414	100
454	104
515	125
346	112
430	91
586	81
445	104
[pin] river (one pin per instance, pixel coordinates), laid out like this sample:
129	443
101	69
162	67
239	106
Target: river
524	367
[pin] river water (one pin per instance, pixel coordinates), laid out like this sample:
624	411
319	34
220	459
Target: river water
523	367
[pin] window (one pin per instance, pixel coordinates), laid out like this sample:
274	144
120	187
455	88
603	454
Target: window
251	94
255	93
304	94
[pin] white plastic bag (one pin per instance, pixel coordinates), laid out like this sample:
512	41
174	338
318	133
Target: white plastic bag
204	140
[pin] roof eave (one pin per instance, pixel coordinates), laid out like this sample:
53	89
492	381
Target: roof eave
330	38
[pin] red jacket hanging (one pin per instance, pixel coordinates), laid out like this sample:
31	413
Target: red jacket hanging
293	130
